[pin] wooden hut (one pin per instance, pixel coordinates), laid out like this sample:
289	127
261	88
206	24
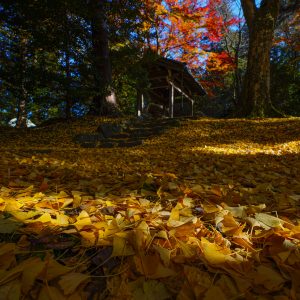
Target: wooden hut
172	89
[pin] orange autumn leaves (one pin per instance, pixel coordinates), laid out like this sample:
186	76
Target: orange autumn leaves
189	31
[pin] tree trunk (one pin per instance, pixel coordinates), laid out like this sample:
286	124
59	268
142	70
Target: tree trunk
67	44
68	108
104	102
255	96
23	95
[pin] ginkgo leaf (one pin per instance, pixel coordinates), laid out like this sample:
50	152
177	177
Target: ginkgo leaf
12	205
151	267
165	254
9	225
70	282
45	218
11	291
31	271
238	211
215	293
54	269
12	274
61	220
213	253
121	247
2	204
269	278
51	293
268	220
83	220
7	248
22	216
150	290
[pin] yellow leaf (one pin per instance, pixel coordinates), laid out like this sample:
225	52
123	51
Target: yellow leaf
11	274
142	236
165	254
2	204
269	220
45	218
162	234
175	212
196	282
269	278
61	220
198	189
54	269
7	247
121	247
70	282
211	208
51	293
11	290
83	220
215	293
151	290
66	202
22	216
151	267
62	194
9	225
31	271
90	238
12	205
213	253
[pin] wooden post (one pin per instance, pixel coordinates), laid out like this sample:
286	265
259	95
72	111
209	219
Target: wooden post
140	104
192	108
171	101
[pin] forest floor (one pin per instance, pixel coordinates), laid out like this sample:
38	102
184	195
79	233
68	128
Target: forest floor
207	210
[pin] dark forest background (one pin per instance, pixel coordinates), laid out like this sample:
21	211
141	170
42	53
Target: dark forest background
68	58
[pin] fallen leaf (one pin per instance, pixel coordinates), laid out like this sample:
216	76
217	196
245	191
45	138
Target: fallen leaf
70	282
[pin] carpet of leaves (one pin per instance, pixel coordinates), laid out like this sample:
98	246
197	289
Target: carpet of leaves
209	210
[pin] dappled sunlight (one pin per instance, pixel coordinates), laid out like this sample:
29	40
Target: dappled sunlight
250	149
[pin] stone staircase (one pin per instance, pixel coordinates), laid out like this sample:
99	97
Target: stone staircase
125	134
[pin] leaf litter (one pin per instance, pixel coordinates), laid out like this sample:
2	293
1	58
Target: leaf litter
210	209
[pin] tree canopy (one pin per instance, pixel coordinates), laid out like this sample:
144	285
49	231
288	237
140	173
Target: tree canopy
70	58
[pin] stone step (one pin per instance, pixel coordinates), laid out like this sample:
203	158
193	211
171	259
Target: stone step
144	134
120	144
126	134
89	138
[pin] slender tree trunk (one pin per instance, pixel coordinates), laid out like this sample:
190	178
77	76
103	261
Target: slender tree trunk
255	96
68	108
23	95
68	96
104	102
237	82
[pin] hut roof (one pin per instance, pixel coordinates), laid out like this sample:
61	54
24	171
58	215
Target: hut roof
159	71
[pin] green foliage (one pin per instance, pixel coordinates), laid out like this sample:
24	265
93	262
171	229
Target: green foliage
47	58
285	79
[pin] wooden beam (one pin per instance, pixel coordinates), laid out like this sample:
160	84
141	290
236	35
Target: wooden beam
158	77
180	91
159	87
